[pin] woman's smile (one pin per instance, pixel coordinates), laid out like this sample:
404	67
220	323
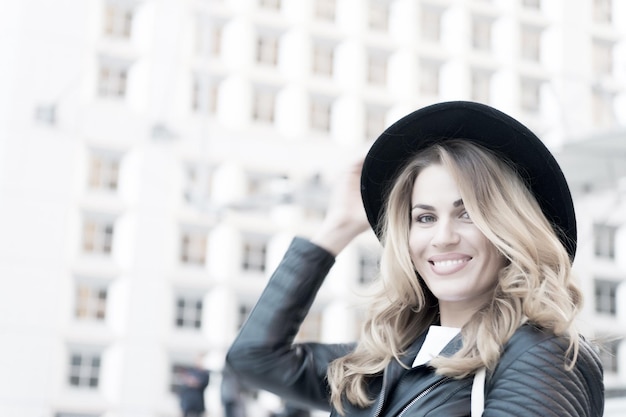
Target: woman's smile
449	263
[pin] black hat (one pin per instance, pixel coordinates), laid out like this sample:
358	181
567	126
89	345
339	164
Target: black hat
485	126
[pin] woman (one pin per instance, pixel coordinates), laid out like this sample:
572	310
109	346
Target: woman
478	233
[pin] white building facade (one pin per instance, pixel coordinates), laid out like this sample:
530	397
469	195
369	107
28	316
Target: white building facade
157	156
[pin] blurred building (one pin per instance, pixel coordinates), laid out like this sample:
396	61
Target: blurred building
596	169
157	156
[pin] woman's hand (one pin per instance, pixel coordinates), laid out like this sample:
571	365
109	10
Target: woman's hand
345	218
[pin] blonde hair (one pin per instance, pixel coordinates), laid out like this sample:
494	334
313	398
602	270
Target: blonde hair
535	286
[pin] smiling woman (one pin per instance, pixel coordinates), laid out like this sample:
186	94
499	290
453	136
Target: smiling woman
478	233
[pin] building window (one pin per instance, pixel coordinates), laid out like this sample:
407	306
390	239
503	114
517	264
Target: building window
530	43
325	10
481	33
98	234
193	245
602	58
480	86
375	121
267	49
606	296
602	11
532	4
263	104
377	68
323	58
91	301
104	170
602	107
604	240
609	356
205	94
118	19
188	312
429	77
254	253
84	371
530	94
112	78
368	267
430	23
209	35
378	15
311	328
320	114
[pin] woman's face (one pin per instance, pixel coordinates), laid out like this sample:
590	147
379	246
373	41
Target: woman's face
457	262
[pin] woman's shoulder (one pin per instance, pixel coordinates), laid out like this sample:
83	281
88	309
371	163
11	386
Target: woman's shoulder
534	346
535	360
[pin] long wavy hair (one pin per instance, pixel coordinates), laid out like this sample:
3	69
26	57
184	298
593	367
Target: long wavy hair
536	285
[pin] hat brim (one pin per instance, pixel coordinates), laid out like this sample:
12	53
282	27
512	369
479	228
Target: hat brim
482	125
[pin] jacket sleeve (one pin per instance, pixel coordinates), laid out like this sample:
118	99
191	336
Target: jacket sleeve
531	379
263	353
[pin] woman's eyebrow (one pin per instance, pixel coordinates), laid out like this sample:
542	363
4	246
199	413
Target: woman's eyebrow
457	203
423	207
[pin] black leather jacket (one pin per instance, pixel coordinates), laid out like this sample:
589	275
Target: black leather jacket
530	379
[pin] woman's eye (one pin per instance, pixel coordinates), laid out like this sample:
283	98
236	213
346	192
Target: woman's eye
425	218
465	216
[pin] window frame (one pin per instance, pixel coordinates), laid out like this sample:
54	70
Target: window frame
530	43
604	241
320	114
90	300
377	68
530	94
112	78
602	11
78	373
254	249
378	14
209	36
188	311
104	170
481	29
118	19
193	247
430	76
325	10
605	296
267	48
264	101
323	58
480	82
431	17
102	242
205	90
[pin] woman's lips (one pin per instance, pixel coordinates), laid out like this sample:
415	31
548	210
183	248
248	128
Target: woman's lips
448	264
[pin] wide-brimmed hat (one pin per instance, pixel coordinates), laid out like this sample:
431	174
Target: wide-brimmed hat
485	126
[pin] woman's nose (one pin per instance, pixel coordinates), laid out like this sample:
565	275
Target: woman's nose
445	234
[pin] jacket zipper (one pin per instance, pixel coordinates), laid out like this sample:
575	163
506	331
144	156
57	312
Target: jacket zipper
379	406
422	395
